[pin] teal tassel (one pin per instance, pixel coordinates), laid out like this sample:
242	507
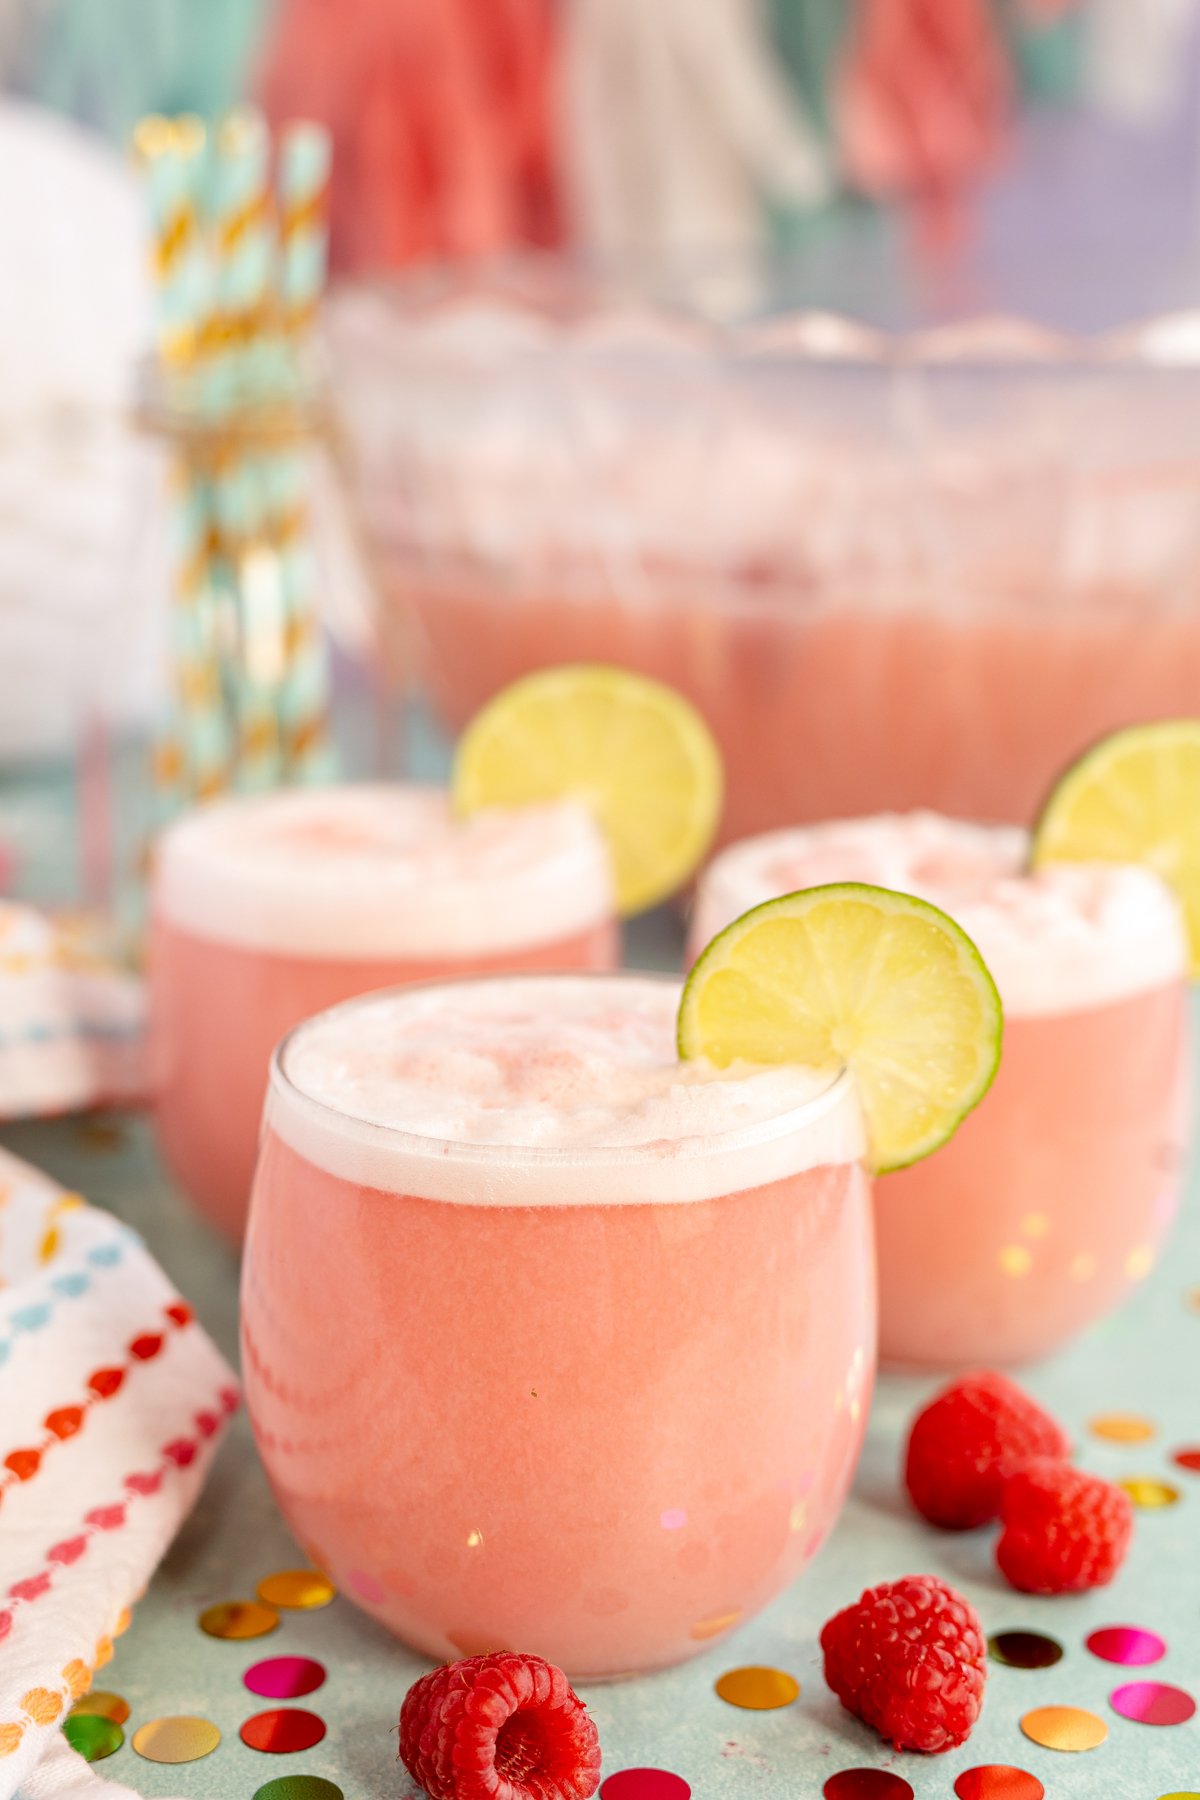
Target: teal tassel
110	61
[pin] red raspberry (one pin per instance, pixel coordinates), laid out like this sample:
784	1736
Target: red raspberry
499	1727
1064	1531
968	1441
909	1659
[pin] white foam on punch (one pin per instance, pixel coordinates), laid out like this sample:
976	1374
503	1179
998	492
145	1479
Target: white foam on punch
1072	936
381	870
545	1090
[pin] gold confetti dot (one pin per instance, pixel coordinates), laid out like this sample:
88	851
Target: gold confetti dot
180	1739
1121	1428
104	1706
1064	1728
1016	1259
1147	1492
758	1689
1035	1225
238	1619
1083	1266
296	1590
1193	1299
1139	1262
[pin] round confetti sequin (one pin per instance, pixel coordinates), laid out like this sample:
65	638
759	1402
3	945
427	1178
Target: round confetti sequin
644	1784
998	1781
758	1690
283	1731
1025	1649
92	1735
238	1619
297	1590
1190	1794
299	1787
1064	1728
1153	1703
1126	1644
285	1677
866	1784
104	1705
1147	1492
1188	1459
1122	1428
181	1739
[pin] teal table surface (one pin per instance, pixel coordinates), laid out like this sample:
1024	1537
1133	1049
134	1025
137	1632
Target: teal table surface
1145	1360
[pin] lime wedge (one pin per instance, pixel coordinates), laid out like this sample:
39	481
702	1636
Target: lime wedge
1133	798
633	750
858	977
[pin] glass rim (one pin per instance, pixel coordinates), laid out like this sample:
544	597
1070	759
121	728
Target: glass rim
794	1121
567	303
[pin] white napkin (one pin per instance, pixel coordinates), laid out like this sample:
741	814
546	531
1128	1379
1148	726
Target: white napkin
112	1400
71	1023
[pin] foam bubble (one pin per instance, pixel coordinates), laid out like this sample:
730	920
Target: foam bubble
542	1090
381	870
1069	937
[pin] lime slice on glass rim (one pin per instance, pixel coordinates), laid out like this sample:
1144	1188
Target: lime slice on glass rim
634	751
857	977
1133	798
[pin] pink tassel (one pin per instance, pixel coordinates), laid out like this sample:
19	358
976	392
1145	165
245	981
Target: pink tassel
923	105
440	112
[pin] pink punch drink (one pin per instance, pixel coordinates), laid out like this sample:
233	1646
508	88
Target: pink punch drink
551	1342
1054	1196
268	909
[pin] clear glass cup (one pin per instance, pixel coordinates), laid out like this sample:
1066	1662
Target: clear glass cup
267	909
600	1402
1054	1197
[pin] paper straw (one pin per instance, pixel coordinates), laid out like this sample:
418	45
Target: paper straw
304	160
173	152
242	234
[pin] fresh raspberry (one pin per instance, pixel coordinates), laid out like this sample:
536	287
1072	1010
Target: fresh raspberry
909	1659
499	1727
1064	1531
968	1441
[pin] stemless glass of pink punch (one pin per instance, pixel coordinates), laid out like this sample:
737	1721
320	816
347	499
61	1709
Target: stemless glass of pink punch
551	1342
1053	1198
266	909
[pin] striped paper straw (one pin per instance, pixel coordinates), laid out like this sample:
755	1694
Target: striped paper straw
243	238
304	160
173	152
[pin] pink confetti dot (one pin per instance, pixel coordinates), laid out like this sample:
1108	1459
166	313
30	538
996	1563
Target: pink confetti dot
645	1784
1153	1703
1127	1644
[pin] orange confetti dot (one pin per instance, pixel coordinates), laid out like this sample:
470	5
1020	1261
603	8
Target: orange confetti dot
1067	1728
758	1689
1121	1428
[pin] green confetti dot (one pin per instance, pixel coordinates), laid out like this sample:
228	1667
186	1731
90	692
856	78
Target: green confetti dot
94	1736
300	1787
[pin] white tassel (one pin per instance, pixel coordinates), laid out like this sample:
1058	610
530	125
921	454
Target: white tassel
677	128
